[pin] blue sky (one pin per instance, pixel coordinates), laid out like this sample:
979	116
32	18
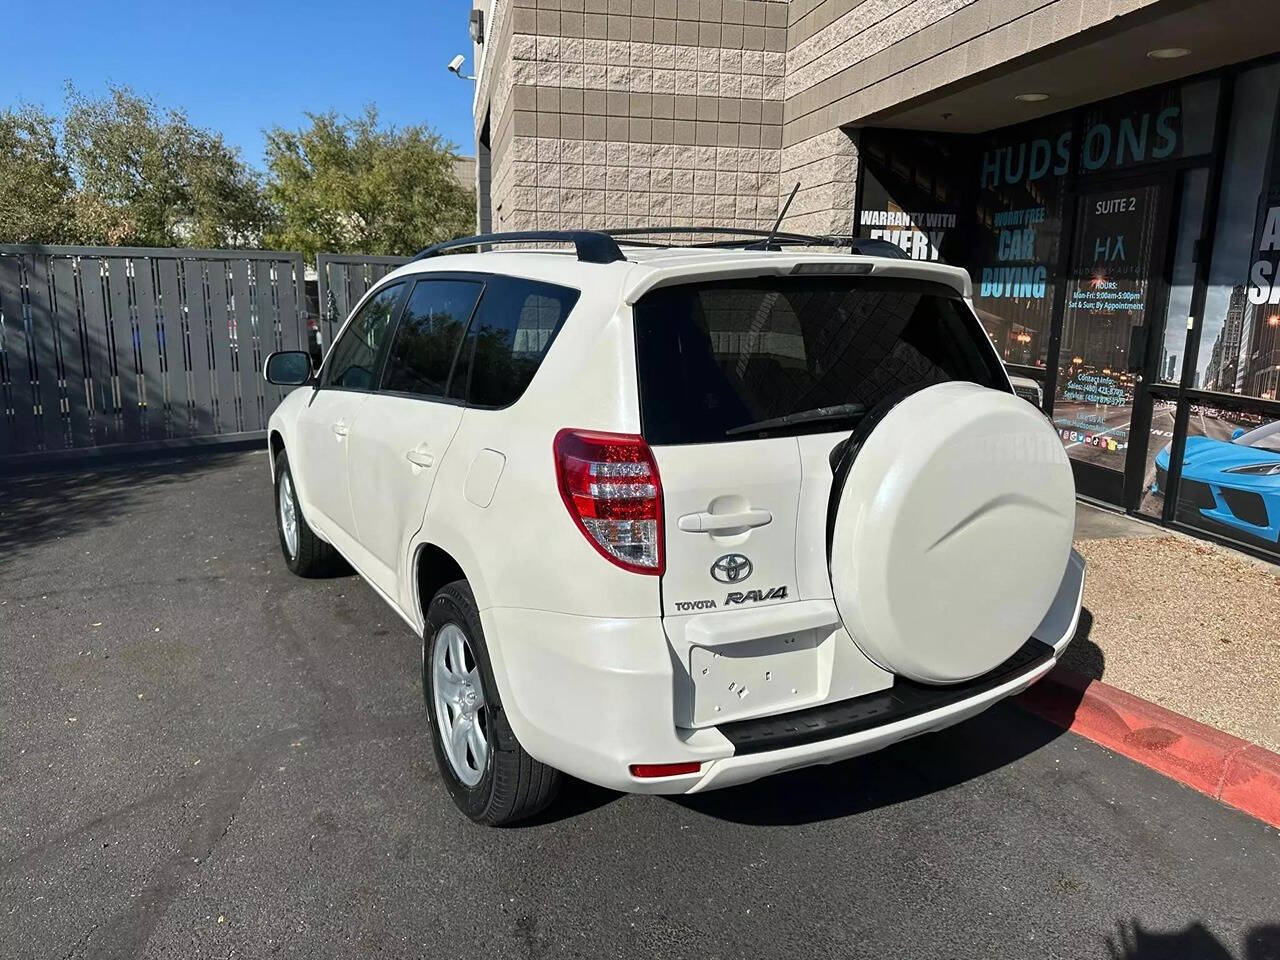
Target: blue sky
239	67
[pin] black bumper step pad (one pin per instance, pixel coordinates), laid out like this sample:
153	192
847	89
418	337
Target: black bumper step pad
904	699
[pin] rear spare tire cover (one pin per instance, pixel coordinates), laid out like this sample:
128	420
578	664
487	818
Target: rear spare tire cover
952	532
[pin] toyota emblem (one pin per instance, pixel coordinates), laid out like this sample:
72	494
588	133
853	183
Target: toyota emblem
731	568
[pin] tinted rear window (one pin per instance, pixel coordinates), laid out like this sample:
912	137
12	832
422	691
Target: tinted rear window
509	336
718	359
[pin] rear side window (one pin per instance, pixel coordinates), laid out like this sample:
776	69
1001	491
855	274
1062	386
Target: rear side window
427	338
742	359
513	328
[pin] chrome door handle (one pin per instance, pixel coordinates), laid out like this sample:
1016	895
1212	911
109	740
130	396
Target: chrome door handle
716	522
419	457
340	428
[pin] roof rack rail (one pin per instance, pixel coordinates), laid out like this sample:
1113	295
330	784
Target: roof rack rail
793	238
592	246
778	241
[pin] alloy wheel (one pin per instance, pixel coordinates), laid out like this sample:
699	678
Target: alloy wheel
288	515
460	704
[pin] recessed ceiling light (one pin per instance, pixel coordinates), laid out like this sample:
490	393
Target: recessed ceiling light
1032	97
1168	53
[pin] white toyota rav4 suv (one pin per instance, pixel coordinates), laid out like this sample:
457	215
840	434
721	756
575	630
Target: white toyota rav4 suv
673	518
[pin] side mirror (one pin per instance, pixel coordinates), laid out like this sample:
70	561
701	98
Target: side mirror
1237	433
288	368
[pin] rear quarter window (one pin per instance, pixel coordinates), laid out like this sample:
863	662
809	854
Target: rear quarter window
512	330
718	360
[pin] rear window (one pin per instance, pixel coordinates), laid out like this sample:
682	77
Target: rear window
743	359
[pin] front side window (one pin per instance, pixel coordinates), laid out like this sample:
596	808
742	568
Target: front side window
353	362
742	359
512	331
426	341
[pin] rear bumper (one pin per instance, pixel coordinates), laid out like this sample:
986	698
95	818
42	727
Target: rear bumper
591	696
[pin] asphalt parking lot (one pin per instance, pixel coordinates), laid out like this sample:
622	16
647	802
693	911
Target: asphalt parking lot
203	756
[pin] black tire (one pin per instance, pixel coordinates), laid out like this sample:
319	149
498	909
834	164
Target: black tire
313	557
513	785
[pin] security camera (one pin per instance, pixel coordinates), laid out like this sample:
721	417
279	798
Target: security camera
455	67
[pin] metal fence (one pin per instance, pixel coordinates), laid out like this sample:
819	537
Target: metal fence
103	346
342	279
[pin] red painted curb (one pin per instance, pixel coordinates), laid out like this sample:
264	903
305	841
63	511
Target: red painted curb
1224	767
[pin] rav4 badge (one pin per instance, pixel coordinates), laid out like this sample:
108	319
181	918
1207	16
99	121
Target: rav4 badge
755	596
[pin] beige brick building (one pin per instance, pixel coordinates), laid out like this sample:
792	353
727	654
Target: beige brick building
1106	170
637	112
622	112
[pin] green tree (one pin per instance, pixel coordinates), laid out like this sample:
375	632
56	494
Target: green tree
36	197
347	185
153	179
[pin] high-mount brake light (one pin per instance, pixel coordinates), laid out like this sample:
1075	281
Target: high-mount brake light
827	269
609	483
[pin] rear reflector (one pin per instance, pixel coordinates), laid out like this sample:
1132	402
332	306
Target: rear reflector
664	769
609	483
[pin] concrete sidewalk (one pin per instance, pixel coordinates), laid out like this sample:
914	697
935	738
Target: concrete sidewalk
1185	624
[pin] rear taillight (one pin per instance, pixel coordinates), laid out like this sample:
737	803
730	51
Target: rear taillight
609	482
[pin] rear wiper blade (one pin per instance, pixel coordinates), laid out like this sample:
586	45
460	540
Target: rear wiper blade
841	411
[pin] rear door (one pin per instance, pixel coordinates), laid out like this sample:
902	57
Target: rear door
704	353
748	386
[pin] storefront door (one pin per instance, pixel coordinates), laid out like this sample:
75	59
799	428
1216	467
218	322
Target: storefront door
1113	294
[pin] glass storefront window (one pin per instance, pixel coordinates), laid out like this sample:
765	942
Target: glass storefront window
1230	474
1182	280
909	193
1164	411
1022	200
1019	214
1167	123
1118	240
1240	337
1098	212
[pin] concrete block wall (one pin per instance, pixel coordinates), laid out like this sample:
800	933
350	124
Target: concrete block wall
493	106
636	112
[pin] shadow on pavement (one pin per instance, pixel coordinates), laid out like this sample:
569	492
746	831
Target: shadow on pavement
903	772
913	768
40	507
576	797
1132	942
1083	655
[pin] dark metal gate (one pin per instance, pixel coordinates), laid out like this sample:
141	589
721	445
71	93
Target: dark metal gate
342	279
144	347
